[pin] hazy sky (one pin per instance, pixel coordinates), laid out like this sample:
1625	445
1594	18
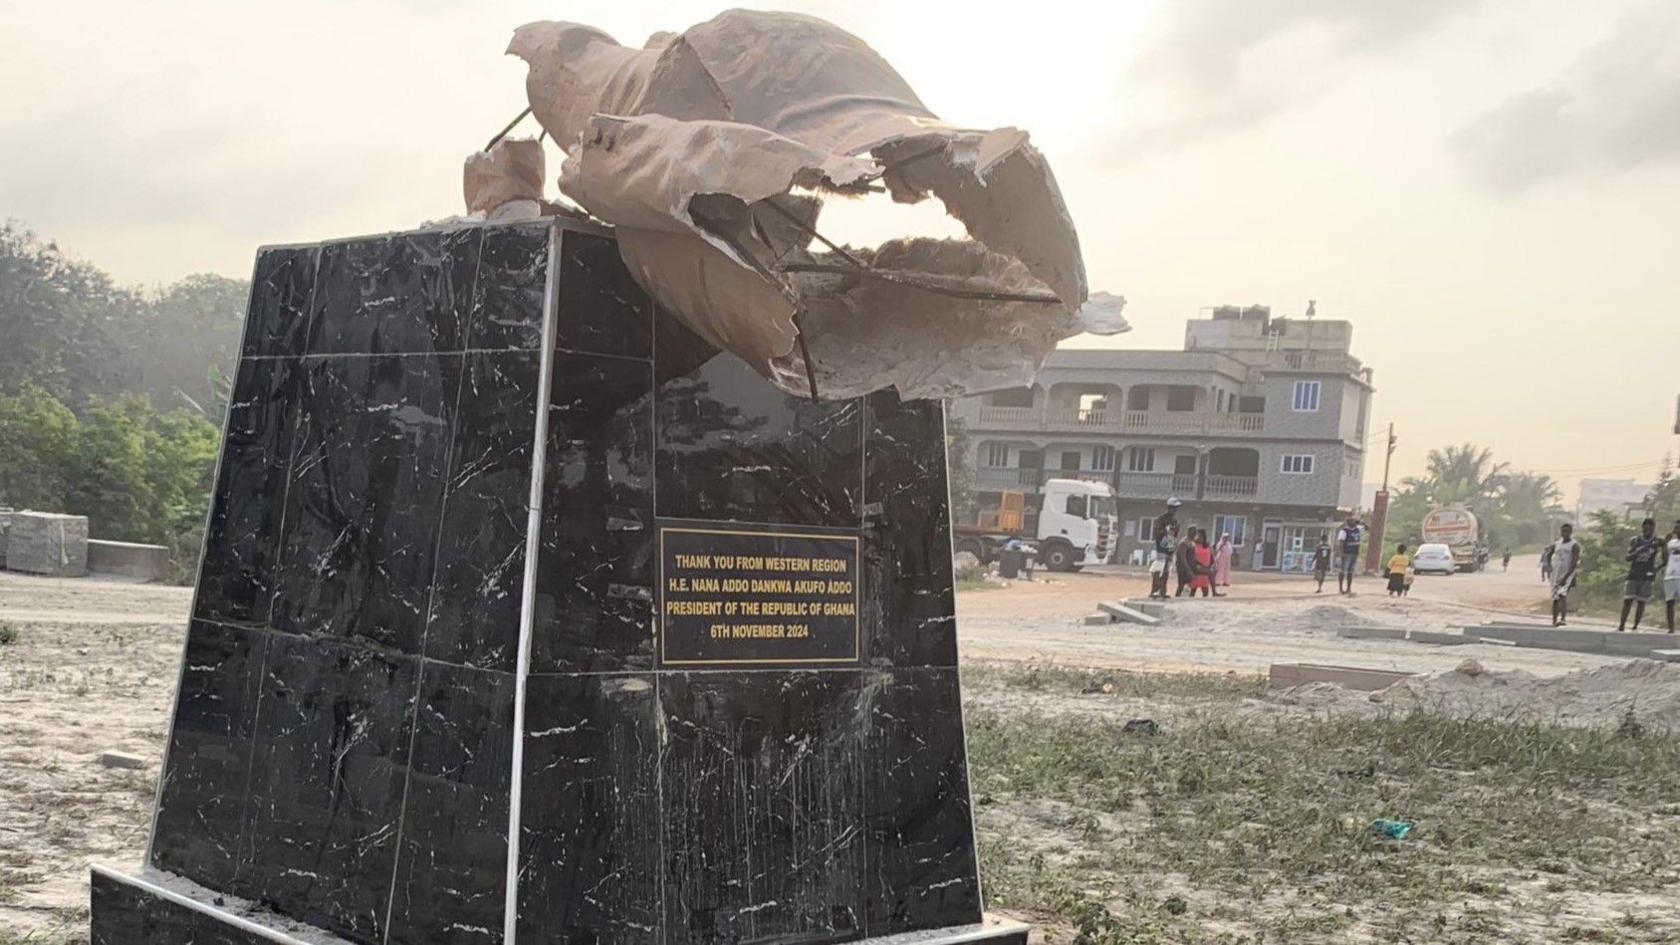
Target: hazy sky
1488	189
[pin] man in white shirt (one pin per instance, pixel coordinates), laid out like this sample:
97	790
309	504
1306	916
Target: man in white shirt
1566	558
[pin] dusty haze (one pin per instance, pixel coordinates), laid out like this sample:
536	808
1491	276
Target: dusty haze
1488	189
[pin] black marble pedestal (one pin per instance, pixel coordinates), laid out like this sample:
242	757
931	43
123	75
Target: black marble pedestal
498	550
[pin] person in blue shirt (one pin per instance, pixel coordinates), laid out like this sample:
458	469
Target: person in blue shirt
1348	539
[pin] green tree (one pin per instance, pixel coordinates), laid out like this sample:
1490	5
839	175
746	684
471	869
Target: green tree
37	437
187	341
1515	508
61	322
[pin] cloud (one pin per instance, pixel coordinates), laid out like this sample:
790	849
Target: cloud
1615	108
1214	66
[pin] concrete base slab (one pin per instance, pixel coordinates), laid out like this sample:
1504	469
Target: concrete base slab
146	562
1153	608
1288	675
1372	633
1126	614
1575	641
1667	656
47	543
1097	620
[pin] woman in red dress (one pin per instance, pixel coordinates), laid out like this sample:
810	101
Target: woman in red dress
1203	581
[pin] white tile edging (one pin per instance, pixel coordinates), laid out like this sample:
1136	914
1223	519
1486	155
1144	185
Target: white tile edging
528	592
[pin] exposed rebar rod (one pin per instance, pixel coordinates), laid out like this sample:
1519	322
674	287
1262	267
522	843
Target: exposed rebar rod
503	133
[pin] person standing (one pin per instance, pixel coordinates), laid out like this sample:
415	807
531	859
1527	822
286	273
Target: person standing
1202	566
1397	565
1222	563
1166	540
1546	565
1348	539
1644	555
1321	561
1184	561
1671	574
1507	558
1160	571
1565	557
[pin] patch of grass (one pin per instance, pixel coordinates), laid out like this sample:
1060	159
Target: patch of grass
1052	677
1273	818
975	584
9	634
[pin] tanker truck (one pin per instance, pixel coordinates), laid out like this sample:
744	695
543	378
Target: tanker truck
1456	527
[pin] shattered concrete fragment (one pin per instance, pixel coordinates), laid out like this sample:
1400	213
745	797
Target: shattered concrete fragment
711	152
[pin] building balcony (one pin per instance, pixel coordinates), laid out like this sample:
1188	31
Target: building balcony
1232	487
999	479
1101	420
1132	485
1153	485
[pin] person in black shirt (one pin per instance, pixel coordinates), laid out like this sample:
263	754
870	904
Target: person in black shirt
1645	553
1321	561
1348	538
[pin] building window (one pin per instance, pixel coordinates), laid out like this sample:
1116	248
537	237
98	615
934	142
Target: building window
1102	458
1140	459
1251	404
1219	401
1146	529
1298	464
1234	525
1306	396
1181	398
997	455
1078	506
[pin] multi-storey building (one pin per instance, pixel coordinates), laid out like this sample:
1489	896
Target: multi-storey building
1258	426
1622	497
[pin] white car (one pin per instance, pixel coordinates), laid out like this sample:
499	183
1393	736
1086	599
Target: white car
1434	558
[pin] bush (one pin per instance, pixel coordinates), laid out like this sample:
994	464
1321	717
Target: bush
137	474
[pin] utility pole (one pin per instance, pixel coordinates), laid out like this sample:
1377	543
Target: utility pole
1379	511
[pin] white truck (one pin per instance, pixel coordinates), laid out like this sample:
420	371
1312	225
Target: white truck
1070	521
1456	527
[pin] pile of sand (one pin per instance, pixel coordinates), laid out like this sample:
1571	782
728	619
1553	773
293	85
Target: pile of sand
1649	689
1602	696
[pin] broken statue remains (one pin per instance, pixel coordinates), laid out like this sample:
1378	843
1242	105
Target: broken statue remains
712	151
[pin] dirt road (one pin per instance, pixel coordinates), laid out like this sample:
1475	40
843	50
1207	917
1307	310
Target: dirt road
92	669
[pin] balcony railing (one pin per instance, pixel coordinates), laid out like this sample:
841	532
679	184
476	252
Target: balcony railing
1133	485
1153	485
1232	487
1109	420
1014	478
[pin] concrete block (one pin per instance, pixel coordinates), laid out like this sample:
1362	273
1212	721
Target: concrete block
1153	608
47	543
1096	620
1667	656
1287	675
118	759
1437	638
1575	641
146	562
1372	633
1125	614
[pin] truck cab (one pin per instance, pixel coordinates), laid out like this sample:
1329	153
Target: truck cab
1076	523
1071	523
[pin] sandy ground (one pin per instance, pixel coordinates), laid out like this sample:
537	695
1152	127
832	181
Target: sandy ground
93	670
1264	619
95	666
